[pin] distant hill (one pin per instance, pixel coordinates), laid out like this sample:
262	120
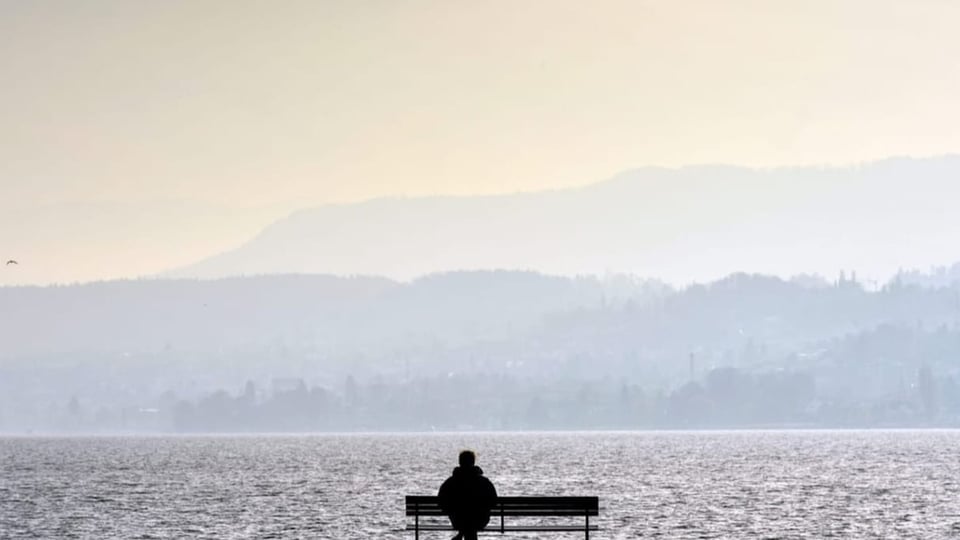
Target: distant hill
693	223
198	334
317	312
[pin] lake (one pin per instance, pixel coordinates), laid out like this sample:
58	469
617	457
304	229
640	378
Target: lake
736	484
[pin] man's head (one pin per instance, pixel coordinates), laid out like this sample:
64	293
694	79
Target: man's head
468	458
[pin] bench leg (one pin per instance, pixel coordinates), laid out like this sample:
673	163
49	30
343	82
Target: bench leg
586	528
416	527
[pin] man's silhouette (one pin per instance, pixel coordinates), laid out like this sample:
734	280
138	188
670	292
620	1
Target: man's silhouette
467	497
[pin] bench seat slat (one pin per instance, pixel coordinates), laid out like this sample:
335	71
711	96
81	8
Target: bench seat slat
516	506
514	528
424	505
432	499
528	512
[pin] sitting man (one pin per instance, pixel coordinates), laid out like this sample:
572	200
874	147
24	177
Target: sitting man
467	497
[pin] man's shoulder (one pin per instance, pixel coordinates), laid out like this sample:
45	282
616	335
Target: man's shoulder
488	484
449	481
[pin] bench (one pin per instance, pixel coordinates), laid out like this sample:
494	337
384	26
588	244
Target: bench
509	507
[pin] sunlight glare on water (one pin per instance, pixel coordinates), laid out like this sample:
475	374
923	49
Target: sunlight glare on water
784	484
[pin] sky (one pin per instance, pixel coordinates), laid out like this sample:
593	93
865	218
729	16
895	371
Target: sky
139	136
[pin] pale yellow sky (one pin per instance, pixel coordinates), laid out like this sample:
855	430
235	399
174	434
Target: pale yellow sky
243	104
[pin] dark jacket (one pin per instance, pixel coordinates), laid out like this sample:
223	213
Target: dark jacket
467	497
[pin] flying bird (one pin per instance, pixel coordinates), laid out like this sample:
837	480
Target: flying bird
11	261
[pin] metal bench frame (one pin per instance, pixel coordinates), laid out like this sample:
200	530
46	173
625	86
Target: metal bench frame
420	506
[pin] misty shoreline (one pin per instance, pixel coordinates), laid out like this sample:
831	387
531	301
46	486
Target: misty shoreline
489	350
586	432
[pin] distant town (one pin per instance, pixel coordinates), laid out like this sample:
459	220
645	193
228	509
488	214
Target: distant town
480	351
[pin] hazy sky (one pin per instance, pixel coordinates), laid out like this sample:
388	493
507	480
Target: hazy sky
257	108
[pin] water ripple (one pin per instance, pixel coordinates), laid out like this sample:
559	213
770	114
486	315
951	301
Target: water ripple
897	484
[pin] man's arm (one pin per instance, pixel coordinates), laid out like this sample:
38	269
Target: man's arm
491	493
444	495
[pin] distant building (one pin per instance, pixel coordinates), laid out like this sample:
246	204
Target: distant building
280	385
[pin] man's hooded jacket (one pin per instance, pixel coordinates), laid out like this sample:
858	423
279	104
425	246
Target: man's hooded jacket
467	497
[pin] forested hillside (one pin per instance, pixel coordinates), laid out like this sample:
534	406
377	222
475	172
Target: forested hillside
476	349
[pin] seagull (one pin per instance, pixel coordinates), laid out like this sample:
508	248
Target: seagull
11	261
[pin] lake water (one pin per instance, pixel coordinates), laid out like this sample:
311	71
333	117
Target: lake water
781	484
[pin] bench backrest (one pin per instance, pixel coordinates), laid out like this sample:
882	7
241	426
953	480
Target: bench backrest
418	505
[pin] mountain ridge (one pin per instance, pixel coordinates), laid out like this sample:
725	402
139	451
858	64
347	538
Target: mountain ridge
687	224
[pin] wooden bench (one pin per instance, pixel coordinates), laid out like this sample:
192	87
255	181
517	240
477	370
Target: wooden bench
509	507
